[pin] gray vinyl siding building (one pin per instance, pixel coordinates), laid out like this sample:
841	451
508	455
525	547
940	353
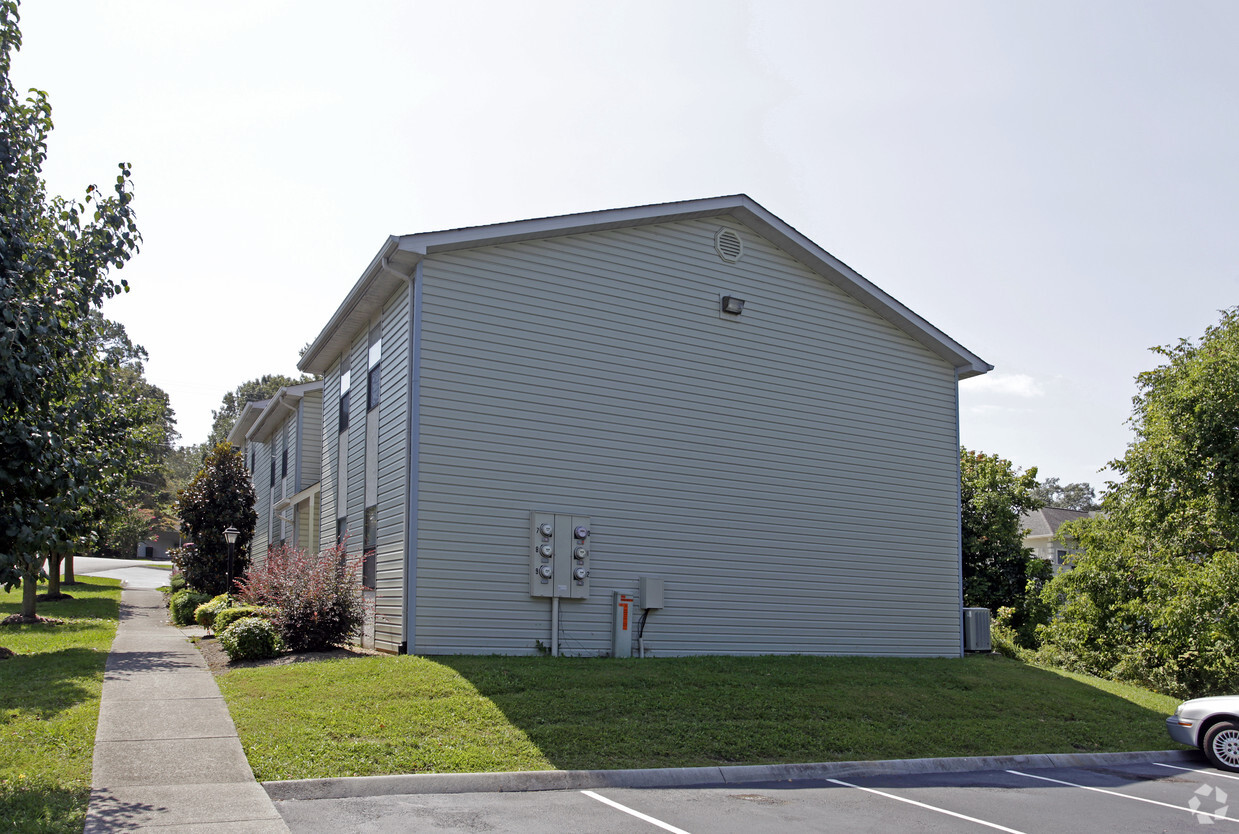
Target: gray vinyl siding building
789	473
281	439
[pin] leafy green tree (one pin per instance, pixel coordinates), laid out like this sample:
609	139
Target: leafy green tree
1079	496
63	436
220	496
1152	595
255	390
993	495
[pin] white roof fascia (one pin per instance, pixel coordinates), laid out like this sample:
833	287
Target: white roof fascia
249	413
399	255
305	495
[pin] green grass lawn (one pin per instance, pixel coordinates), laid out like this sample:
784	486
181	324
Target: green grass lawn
471	714
49	706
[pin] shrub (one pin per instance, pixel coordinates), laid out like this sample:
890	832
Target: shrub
250	638
229	616
318	599
1004	636
205	613
177	583
183	604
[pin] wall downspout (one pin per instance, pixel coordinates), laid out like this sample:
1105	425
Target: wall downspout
412	433
959	517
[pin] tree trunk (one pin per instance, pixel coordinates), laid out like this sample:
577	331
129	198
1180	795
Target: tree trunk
69	580
30	588
53	575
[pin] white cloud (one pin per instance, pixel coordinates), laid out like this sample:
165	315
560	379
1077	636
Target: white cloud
1012	385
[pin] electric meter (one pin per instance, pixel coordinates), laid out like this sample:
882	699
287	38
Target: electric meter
545	571
546	551
546	530
582	532
580	553
580	574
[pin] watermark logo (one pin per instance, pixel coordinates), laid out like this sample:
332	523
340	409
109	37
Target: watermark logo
1215	801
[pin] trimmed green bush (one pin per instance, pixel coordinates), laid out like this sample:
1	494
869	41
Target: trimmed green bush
177	583
229	616
250	638
182	606
205	613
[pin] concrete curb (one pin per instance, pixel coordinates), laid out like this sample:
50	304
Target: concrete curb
684	777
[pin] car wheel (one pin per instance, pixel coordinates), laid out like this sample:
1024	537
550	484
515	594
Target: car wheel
1221	745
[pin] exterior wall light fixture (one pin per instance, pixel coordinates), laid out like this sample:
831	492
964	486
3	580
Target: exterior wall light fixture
732	305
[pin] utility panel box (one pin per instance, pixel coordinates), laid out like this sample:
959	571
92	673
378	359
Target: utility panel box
622	609
650	591
976	630
559	555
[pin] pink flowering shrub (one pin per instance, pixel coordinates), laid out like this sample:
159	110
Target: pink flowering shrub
318	599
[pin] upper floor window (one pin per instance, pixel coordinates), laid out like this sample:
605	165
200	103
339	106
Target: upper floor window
344	400
374	378
284	461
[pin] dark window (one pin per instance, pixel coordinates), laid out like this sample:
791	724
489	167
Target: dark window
371	537
251	460
272	470
372	386
284	462
344	411
341	529
150	552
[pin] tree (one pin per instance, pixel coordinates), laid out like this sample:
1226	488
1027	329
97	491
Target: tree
993	495
255	390
220	496
63	436
1152	595
1079	496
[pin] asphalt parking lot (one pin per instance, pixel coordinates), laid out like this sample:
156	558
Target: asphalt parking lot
1175	795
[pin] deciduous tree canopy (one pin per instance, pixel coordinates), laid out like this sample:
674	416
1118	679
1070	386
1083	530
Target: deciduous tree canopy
65	439
1152	596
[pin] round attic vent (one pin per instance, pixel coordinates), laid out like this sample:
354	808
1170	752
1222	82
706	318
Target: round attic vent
728	245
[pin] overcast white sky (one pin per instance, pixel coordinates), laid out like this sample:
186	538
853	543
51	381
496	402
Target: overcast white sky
1053	184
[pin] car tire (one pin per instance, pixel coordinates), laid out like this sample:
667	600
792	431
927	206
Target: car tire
1221	745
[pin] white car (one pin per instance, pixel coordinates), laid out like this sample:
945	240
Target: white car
1212	724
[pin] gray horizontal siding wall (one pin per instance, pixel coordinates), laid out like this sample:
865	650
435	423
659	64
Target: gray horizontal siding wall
355	500
392	475
790	474
328	511
309	449
262	498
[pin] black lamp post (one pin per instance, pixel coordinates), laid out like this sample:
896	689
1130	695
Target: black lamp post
231	536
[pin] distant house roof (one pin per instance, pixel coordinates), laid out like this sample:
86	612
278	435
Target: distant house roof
399	256
1046	521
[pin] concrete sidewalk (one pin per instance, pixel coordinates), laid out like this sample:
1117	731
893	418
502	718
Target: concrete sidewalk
167	756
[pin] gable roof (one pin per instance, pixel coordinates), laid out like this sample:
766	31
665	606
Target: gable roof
249	413
1047	520
399	256
269	412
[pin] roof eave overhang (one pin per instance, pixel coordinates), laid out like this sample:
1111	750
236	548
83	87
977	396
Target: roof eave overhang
399	256
250	413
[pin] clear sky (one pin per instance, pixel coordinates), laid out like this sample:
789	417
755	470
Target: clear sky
1053	184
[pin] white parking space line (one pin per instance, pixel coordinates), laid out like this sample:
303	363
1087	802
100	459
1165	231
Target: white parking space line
929	807
664	826
1209	773
1127	796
